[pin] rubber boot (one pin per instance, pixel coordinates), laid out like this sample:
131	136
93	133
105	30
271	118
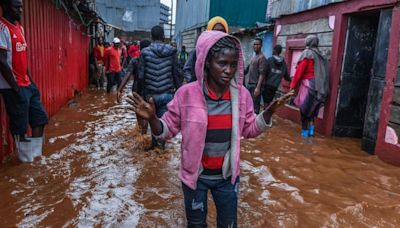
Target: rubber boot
24	150
37	146
304	133
311	131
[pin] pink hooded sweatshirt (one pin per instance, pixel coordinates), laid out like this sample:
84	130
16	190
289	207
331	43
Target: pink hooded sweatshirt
187	113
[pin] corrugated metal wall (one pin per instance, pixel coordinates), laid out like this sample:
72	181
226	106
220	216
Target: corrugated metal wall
58	58
191	14
286	7
240	13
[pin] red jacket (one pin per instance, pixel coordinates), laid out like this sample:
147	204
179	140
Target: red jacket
304	70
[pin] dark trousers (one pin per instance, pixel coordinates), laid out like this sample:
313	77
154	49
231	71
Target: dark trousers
268	94
305	121
256	100
24	108
113	78
225	198
161	101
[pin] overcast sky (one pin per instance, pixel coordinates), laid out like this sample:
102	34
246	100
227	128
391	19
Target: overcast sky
168	3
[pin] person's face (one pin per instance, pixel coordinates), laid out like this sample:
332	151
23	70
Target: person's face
219	27
117	45
14	10
257	46
183	48
222	67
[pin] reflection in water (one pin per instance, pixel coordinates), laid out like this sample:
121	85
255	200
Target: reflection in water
96	172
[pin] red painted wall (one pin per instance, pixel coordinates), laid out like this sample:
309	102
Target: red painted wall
58	58
387	152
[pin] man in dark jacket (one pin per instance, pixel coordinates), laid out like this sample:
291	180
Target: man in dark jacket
159	73
182	57
276	69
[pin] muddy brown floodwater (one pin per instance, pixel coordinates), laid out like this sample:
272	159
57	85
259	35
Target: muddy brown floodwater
95	172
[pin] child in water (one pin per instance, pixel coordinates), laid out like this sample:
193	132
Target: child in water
212	114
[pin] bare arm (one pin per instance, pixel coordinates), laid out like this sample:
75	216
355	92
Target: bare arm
146	111
6	71
261	77
125	80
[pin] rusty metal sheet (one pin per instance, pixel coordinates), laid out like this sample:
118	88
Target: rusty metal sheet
58	58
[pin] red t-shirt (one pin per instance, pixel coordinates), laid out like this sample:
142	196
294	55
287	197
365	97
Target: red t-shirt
99	53
134	51
112	60
18	52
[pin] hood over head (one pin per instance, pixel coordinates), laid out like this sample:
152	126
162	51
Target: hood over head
312	41
278	60
206	40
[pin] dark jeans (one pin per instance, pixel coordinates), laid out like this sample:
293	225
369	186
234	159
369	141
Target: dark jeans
225	198
256	100
161	101
268	94
113	78
24	107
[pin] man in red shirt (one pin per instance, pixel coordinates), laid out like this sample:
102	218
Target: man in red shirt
20	94
112	63
134	51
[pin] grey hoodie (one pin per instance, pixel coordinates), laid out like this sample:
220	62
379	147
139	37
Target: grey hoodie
276	69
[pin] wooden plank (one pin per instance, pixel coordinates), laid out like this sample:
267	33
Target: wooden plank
395	114
308	27
396	95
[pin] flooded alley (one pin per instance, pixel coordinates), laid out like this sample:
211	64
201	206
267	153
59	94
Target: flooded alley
96	172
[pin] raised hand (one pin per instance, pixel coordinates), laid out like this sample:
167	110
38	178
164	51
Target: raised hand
278	103
143	109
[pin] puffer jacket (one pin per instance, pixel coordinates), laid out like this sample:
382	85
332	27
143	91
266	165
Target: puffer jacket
158	69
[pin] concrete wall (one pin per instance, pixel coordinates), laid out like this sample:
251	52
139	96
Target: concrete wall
138	15
247	47
286	7
247	41
319	27
189	38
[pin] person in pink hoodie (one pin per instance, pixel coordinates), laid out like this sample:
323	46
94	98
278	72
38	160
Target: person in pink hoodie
212	114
